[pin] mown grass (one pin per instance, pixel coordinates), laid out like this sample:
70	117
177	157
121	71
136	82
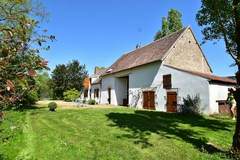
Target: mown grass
11	135
110	134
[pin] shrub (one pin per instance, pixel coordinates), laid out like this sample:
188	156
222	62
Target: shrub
30	98
191	105
84	101
52	106
91	102
71	95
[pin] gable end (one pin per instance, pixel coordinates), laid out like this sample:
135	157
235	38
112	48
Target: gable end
187	54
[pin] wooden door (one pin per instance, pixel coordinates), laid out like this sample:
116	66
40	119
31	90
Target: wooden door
109	95
145	100
171	102
149	100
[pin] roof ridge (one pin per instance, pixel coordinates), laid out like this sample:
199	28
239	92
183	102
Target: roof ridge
184	28
167	36
156	50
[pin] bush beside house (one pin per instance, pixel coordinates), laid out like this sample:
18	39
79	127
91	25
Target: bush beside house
191	105
71	95
91	102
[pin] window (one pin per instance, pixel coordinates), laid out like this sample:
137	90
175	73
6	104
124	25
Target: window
90	92
167	81
85	93
96	93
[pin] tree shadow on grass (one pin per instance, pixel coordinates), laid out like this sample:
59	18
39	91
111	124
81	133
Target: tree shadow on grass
2	157
141	124
26	108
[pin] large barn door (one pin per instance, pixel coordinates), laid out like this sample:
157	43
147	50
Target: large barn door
171	102
109	96
149	100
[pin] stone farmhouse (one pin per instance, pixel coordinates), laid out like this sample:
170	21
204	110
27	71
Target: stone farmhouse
159	75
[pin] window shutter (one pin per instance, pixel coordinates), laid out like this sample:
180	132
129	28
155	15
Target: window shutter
167	81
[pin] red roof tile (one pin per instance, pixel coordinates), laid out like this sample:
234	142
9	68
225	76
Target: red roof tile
99	70
211	77
147	54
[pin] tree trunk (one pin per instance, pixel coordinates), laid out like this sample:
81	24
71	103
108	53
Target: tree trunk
236	137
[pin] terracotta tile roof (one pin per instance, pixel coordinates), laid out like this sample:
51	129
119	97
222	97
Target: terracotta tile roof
211	77
147	54
95	78
99	71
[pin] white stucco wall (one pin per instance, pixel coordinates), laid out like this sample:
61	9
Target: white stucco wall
149	77
108	82
93	87
184	84
217	92
94	78
141	78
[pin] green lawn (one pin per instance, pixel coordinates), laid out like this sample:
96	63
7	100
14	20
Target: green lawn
119	133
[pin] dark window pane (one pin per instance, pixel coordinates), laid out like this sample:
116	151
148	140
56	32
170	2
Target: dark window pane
167	81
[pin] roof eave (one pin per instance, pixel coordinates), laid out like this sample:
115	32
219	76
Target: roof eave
202	76
222	82
131	68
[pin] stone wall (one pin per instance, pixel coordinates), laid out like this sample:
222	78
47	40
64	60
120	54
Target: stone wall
187	54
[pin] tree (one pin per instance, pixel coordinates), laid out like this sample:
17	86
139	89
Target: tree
43	85
164	31
174	20
170	24
66	77
76	73
59	81
21	39
71	95
221	20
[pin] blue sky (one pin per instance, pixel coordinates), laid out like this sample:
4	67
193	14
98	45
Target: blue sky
98	32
